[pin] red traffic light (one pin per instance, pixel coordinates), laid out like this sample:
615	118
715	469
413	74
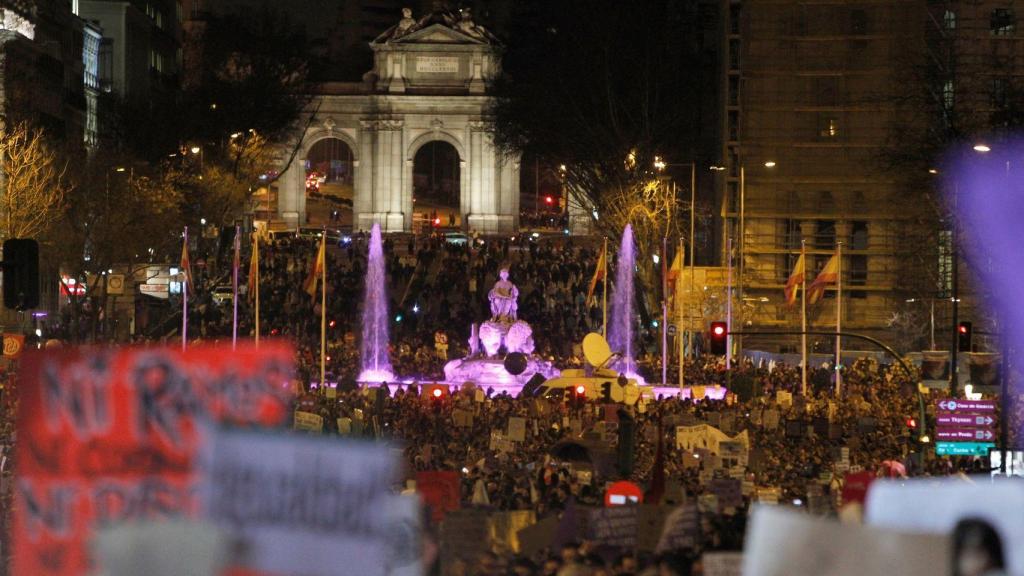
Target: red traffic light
719	335
963	329
549	200
437	221
911	423
437	392
332	324
581	389
718	330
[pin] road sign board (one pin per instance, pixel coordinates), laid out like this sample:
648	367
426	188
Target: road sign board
953	419
967	406
965	435
963	448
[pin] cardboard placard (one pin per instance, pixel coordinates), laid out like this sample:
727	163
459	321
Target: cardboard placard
309	422
517	429
681	529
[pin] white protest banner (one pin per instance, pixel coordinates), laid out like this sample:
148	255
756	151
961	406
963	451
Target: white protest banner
935	506
167	548
707	437
517	429
307	505
722	563
783	542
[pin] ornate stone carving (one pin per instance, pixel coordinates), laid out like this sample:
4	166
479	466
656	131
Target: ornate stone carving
382	124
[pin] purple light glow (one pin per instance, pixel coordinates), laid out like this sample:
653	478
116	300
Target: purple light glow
376	367
620	326
986	194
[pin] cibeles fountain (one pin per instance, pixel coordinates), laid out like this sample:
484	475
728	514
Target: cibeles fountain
502	343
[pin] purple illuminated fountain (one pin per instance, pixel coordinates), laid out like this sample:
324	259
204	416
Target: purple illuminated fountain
375	365
620	325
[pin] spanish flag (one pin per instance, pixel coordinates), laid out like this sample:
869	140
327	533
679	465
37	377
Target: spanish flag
796	279
828	275
675	269
599	272
254	269
316	271
186	264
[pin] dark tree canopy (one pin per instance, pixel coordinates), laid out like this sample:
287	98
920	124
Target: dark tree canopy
586	82
252	73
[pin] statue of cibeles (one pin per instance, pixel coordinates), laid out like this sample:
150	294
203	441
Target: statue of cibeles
503	297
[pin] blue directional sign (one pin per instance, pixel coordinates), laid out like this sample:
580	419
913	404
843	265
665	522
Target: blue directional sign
963	448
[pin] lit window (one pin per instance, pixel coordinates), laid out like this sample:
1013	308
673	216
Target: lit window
948	95
949	20
1002	22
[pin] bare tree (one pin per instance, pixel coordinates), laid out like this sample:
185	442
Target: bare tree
31	182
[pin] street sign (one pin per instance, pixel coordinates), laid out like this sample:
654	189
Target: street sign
963	448
965	434
967	406
953	419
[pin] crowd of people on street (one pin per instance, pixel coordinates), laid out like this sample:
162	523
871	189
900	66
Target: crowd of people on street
548	456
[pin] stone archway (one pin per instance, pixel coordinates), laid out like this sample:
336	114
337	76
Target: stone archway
329	171
408	191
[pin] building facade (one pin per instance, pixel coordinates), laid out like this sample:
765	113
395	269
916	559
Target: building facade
810	89
428	84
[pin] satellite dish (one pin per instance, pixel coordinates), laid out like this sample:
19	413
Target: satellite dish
515	363
596	349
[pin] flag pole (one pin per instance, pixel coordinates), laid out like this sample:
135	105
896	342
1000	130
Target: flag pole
803	320
256	286
728	307
604	289
234	290
680	331
839	316
184	297
664	310
323	311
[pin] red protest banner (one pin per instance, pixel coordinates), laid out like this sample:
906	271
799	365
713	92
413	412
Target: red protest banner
107	436
440	491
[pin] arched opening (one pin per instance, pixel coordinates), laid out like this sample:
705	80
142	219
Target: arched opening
330	171
542	198
436	186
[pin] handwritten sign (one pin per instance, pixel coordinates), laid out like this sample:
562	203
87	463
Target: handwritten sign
109	436
517	429
309	422
613	526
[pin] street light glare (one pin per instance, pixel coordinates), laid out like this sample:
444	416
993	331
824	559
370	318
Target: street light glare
769	164
982	148
195	149
933	171
119	169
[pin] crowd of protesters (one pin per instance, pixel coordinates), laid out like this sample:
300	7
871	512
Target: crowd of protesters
799	446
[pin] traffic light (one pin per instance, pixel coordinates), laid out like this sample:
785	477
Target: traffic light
964	331
719	335
21	273
911	423
606	391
